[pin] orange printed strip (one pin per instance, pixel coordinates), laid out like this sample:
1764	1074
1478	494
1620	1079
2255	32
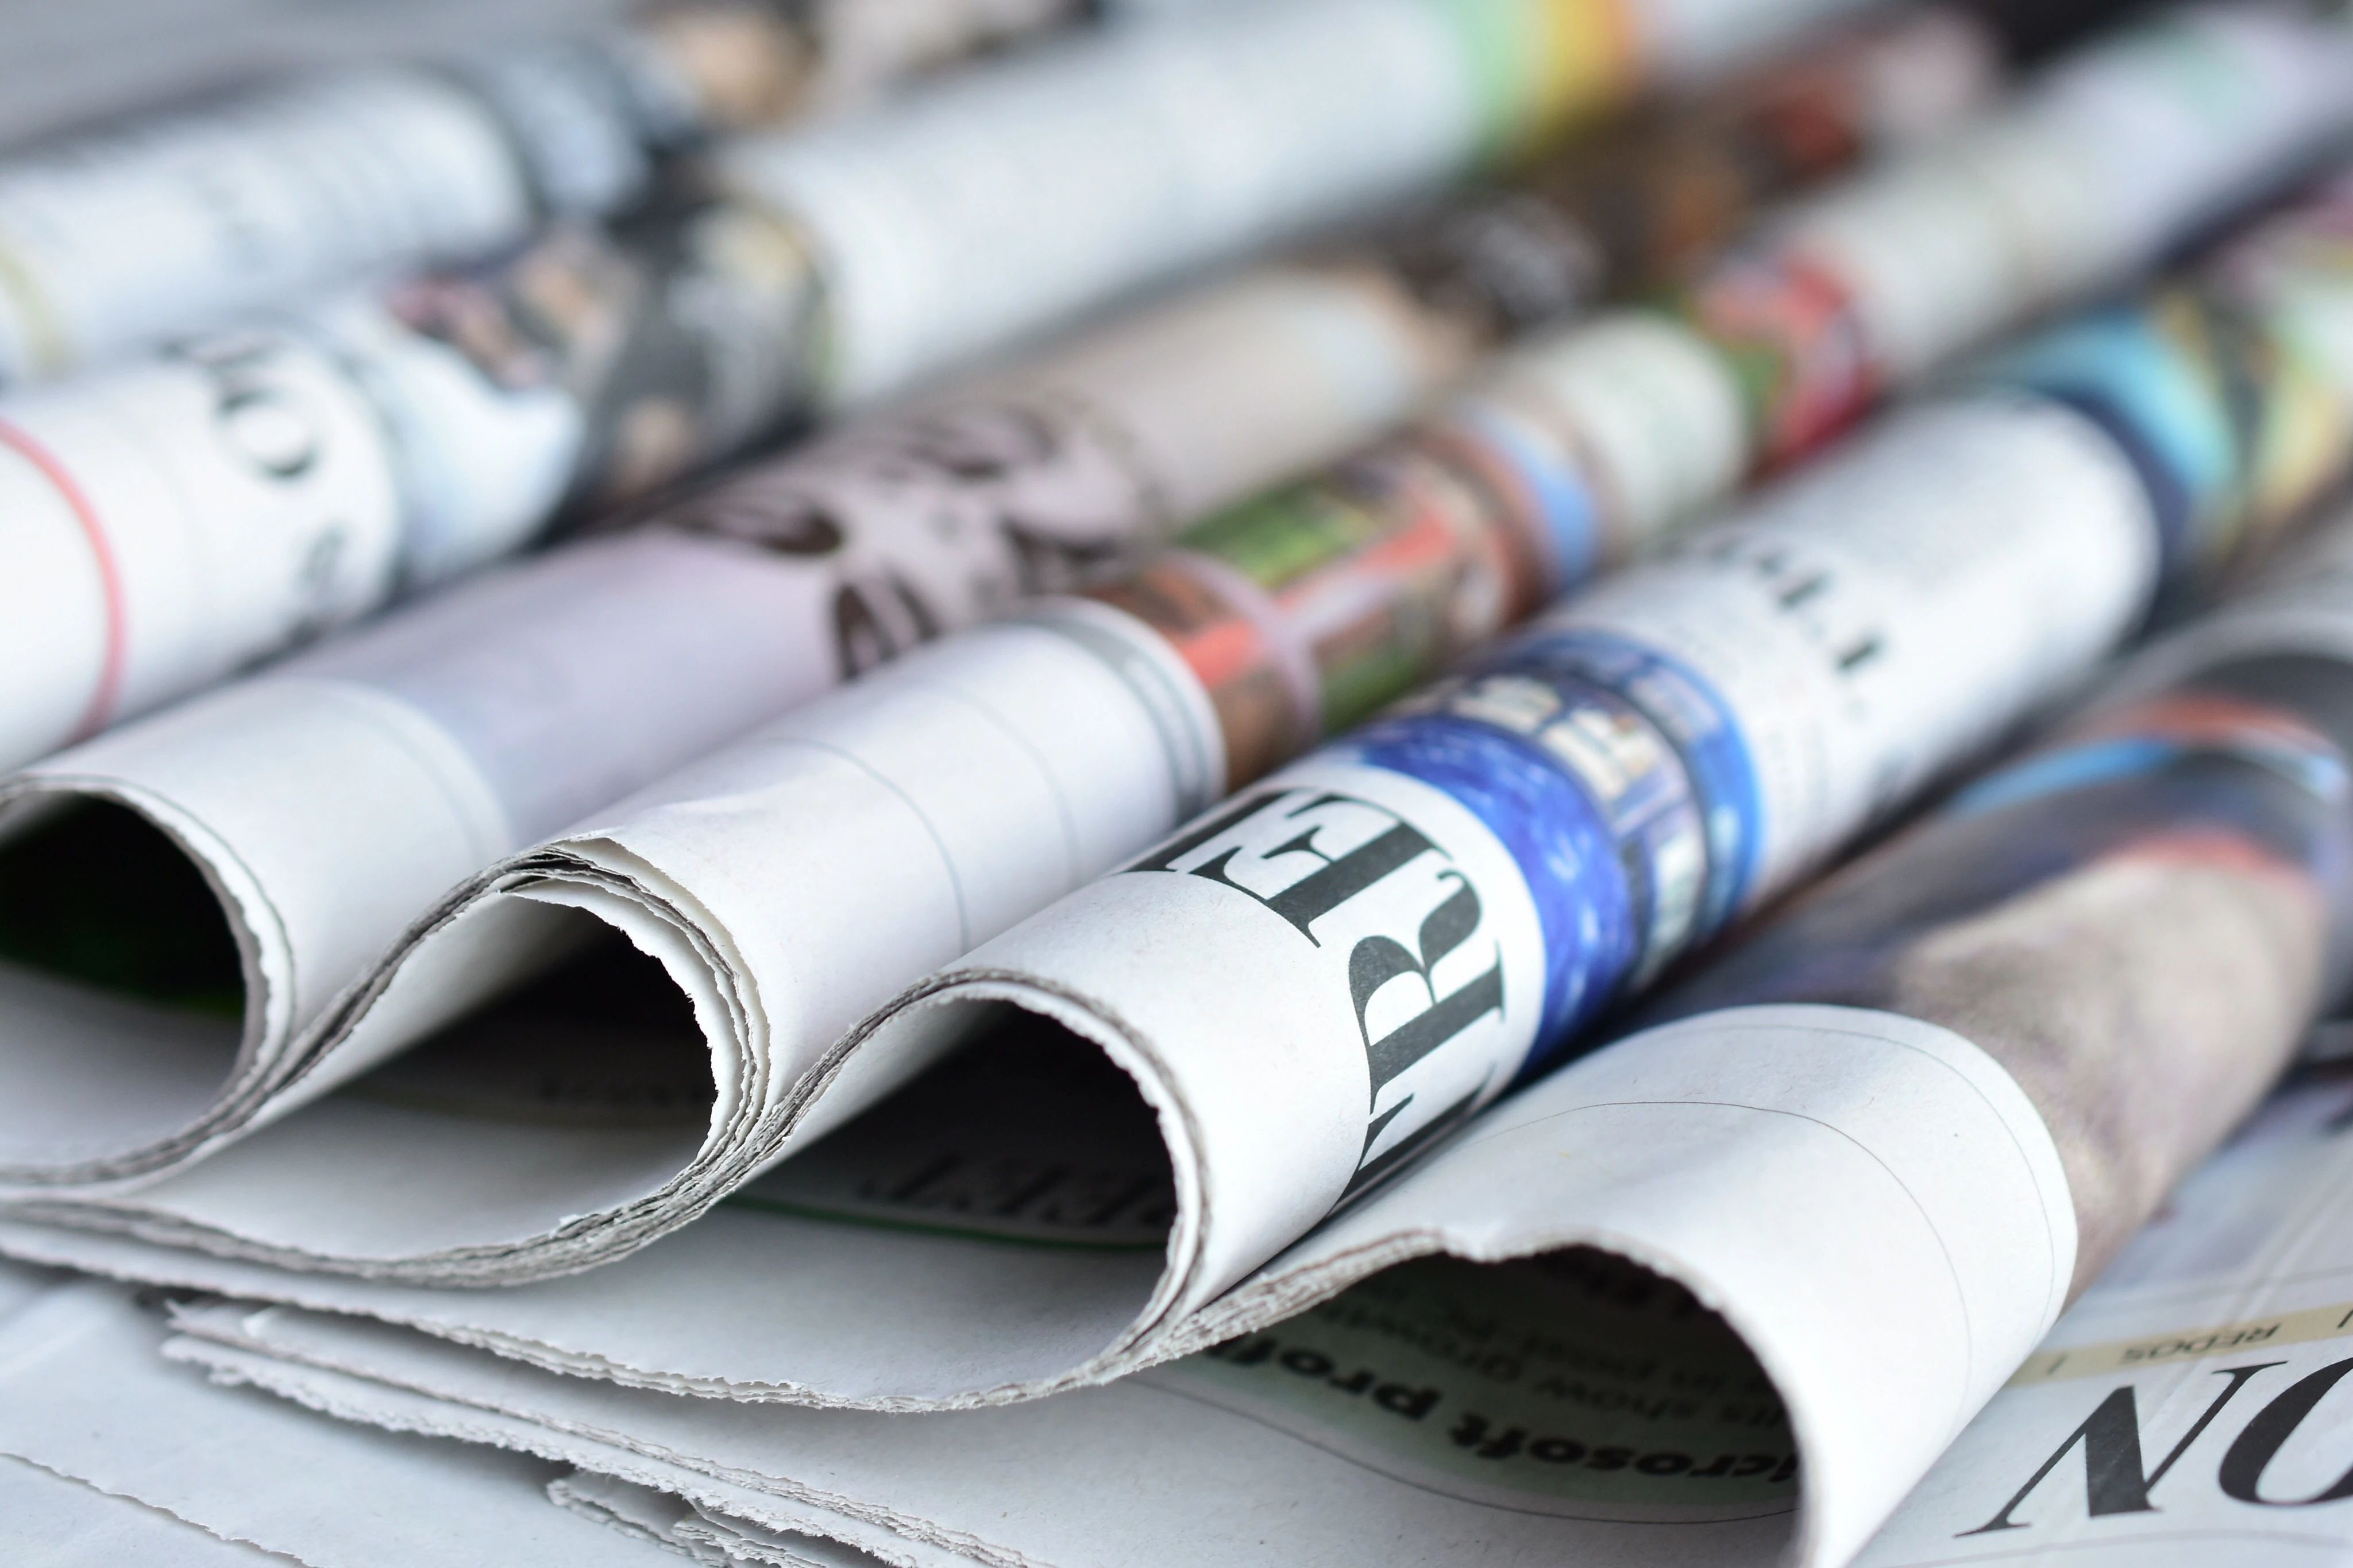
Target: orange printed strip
2187	1345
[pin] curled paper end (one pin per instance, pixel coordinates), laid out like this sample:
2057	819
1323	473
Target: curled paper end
1031	1124
130	977
1846	1189
170	845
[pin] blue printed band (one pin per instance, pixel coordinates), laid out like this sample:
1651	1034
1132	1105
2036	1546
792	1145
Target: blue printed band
2311	767
1695	720
2120	369
1572	517
1621	785
1555	830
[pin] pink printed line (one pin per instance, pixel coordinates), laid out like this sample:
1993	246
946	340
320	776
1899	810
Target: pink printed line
110	578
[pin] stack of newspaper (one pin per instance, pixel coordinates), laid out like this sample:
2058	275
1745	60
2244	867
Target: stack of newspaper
1508	781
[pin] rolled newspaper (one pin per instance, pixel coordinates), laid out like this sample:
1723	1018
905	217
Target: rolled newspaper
177	223
180	518
1350	960
1740	1279
1648	202
1311	984
958	219
520	702
1958	1077
135	485
1168	422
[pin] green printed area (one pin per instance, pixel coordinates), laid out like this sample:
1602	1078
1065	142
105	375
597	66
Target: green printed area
97	893
2199	63
1502	51
1363	681
1280	537
1336	524
1761	363
1573	1383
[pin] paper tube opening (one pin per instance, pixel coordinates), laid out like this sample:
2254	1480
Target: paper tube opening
574	1092
1002	1217
605	1039
123	987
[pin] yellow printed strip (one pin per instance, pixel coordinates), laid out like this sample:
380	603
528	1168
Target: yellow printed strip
2300	446
45	338
2190	1344
1589	63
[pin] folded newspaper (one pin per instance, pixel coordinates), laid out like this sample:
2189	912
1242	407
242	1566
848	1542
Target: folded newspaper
104	1445
1724	1290
616	1119
718	1005
954	220
182	516
514	704
175	223
391	440
2177	1413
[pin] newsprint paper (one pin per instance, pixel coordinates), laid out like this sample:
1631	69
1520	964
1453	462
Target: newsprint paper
734	1065
106	1447
2184	1412
1594	1318
910	864
66	1524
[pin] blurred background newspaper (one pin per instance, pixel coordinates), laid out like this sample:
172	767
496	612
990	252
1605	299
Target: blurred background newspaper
1077	783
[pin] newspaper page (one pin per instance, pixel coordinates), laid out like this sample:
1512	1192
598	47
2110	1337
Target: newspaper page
66	1524
1033	807
2221	1311
1612	1288
91	1404
586	371
1164	1466
2179	1411
707	1536
1982	493
522	701
183	516
128	236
